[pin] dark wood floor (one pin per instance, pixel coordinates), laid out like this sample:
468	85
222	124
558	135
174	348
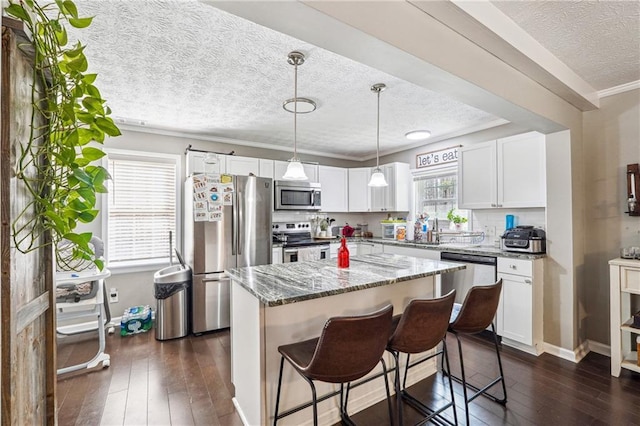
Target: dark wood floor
187	381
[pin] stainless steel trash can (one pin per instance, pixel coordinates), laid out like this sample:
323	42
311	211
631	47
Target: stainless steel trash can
171	290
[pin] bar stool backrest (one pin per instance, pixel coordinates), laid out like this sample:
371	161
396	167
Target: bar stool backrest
423	324
350	346
478	309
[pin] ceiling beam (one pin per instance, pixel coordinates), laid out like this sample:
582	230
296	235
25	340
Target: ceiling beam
488	27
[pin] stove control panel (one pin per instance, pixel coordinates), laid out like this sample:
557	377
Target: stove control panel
291	227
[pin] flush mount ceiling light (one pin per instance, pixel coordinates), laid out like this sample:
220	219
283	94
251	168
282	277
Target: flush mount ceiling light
377	178
303	106
295	171
417	135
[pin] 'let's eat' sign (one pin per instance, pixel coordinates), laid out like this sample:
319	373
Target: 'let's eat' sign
435	158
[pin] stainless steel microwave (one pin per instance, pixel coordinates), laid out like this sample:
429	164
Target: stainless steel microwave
295	195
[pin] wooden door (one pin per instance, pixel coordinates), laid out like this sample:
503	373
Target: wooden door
27	331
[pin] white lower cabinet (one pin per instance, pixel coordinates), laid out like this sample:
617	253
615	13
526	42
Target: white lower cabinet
276	255
333	249
412	251
365	247
519	316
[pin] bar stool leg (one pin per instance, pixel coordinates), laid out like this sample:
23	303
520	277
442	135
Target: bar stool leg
315	400
386	386
502	401
275	415
396	385
464	379
445	358
344	416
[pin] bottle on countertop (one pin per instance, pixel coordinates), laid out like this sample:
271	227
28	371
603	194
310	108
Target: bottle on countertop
343	254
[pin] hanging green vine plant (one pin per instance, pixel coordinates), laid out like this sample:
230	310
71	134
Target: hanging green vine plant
58	162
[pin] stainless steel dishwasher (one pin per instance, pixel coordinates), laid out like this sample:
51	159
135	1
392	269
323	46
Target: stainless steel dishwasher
481	270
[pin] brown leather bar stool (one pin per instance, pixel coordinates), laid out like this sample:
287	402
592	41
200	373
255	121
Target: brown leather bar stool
347	350
420	328
472	317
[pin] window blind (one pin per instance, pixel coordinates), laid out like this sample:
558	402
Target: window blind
141	210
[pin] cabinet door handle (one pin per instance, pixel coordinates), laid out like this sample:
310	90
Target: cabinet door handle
493	205
513	267
527	281
499	205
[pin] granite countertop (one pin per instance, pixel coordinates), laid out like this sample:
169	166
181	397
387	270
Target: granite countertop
454	248
279	284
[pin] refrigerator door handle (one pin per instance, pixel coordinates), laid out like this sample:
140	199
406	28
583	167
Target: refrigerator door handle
241	219
234	229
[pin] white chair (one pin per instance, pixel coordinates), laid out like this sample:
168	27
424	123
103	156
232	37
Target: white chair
81	295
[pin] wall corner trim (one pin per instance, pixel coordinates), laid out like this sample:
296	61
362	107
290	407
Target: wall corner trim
574	355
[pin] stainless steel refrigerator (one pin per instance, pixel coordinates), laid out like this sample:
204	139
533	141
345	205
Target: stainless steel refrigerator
241	238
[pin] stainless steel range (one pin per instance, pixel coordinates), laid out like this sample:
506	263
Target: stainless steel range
297	243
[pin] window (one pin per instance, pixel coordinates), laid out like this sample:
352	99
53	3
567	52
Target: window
141	208
436	193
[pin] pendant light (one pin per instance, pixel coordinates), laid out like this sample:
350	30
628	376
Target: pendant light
295	171
377	178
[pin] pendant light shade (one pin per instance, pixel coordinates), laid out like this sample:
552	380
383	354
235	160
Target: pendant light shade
295	171
377	178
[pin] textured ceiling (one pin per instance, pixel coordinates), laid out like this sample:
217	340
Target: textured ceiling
187	66
599	40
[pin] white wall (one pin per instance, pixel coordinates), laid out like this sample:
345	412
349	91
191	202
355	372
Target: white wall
612	140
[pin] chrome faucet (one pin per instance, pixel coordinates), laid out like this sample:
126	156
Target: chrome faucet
436	230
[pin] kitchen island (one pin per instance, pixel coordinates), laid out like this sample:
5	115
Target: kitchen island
277	304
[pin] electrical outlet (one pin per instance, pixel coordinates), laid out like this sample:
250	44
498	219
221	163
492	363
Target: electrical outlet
113	295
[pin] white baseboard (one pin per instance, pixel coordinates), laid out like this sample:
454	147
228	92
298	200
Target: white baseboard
570	355
599	348
243	419
578	353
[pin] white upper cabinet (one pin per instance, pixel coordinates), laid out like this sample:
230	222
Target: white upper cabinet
242	166
280	168
395	196
334	182
266	168
359	200
522	171
508	172
477	176
195	163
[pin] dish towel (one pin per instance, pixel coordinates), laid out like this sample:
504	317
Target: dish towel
305	254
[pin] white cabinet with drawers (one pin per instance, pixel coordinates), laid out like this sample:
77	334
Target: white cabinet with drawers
519	316
624	282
